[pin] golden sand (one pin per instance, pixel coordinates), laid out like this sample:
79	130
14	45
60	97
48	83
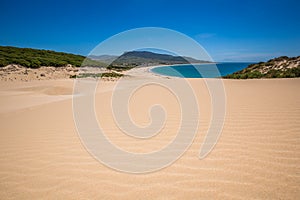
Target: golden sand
256	157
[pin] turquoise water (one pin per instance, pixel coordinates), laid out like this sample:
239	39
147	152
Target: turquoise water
200	70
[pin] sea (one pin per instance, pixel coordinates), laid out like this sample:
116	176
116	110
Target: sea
211	70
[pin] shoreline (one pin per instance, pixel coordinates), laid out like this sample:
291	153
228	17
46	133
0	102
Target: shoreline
145	72
148	69
137	72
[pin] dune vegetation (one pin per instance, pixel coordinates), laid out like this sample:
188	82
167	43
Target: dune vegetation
281	67
35	58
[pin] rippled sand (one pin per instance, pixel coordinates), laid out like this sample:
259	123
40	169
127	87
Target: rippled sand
257	155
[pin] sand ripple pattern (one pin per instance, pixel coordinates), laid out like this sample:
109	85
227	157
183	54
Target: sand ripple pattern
257	156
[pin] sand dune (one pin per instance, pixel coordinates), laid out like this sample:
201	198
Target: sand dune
256	157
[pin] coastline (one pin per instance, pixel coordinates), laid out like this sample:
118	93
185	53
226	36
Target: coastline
209	70
145	72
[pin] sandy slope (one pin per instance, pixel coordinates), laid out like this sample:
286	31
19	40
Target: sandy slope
257	156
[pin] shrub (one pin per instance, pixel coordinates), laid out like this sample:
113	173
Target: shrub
35	58
97	75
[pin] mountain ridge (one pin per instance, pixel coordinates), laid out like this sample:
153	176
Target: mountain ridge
146	58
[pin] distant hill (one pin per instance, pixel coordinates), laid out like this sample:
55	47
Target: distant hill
281	67
103	58
146	58
35	58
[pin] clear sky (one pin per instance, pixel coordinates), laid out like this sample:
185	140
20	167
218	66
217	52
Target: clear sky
232	30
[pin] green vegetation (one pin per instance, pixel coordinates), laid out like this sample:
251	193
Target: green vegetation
250	75
288	73
120	68
281	67
111	74
34	58
98	75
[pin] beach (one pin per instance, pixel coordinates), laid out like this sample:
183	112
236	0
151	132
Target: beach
256	157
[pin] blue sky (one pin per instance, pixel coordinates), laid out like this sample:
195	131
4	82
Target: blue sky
232	30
